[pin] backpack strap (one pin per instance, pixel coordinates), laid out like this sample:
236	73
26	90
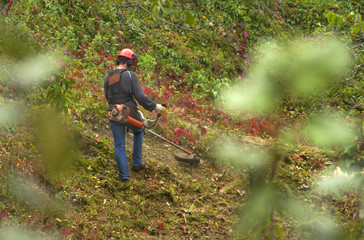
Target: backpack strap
114	90
115	77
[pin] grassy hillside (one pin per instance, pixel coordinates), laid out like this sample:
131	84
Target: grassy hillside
169	200
57	163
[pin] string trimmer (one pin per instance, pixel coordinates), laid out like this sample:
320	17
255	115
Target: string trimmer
148	124
120	113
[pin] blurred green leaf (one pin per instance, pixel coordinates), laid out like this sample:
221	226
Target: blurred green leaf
190	20
34	69
56	146
316	64
8	114
338	182
257	212
301	68
155	11
254	98
7	233
330	131
241	156
28	191
136	22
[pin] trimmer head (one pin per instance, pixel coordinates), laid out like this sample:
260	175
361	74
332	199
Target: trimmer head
187	158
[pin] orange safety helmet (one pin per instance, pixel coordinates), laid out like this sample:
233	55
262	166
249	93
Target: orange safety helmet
128	53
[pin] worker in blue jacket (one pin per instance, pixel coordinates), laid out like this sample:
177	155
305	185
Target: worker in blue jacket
121	86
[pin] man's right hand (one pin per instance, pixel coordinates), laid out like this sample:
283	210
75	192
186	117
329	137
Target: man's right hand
159	108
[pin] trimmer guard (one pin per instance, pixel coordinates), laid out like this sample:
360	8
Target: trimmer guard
187	158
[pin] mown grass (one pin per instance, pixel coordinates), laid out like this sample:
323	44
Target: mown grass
168	200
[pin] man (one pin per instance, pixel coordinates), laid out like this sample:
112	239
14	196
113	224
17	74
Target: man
121	86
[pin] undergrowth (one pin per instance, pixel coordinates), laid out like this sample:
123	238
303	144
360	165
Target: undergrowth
185	69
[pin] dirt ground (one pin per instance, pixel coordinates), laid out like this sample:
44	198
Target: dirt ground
179	200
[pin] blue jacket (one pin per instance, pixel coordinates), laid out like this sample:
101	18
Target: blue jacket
126	91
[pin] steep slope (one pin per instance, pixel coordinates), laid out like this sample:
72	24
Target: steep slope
188	69
168	200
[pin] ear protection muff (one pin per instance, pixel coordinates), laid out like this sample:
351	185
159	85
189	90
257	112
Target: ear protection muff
135	60
130	62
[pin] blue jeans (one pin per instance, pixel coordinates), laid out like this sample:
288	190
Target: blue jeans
118	131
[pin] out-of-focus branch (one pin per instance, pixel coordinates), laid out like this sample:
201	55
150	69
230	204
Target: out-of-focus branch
162	20
359	45
7	53
8	73
359	66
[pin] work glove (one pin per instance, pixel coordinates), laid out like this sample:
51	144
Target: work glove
145	126
159	108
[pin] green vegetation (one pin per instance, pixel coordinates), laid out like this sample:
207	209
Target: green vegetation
292	116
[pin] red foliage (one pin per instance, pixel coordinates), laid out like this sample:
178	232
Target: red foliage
4	214
65	232
185	106
318	165
178	131
8	7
